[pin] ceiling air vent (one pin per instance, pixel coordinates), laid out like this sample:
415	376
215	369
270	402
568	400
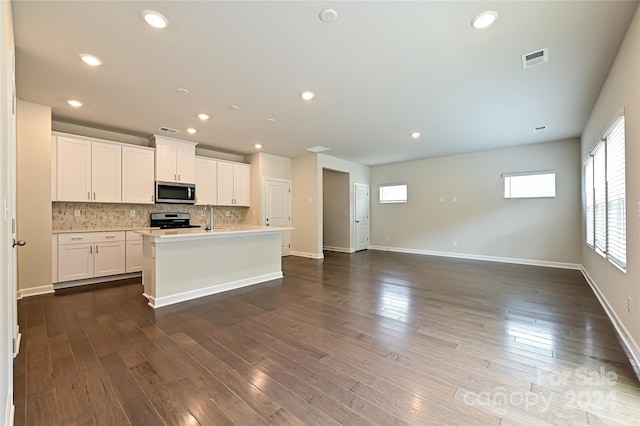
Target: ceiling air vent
535	58
317	148
168	130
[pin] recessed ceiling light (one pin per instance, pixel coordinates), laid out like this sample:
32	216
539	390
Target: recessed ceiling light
74	103
155	19
182	91
307	96
484	19
203	117
415	135
270	120
317	148
328	16
94	61
258	146
191	130
234	107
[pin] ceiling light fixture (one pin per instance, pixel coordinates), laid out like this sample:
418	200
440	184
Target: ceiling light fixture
155	19
415	135
182	91
203	117
74	103
307	96
484	19
270	120
258	146
191	130
328	16
234	107
317	148
94	61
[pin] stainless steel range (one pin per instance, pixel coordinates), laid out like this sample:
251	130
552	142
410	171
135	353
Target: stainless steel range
171	220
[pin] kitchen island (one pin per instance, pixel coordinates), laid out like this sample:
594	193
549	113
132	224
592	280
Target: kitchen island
184	264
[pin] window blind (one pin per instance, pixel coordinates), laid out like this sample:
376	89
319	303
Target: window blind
616	194
588	188
600	198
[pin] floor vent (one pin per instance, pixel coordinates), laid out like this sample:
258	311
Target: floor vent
535	58
168	130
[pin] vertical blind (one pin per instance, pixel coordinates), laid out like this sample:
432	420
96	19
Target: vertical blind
616	195
605	195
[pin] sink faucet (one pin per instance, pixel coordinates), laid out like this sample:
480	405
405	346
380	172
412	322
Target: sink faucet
209	227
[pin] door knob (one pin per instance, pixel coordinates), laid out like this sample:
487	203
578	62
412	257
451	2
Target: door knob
18	243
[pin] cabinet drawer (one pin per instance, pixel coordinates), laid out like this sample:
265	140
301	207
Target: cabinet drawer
133	236
90	237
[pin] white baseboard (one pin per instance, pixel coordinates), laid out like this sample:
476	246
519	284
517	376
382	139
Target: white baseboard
158	302
339	249
627	339
305	254
35	291
531	262
9	409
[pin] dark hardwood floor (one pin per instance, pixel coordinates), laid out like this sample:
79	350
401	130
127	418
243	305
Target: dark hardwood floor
367	338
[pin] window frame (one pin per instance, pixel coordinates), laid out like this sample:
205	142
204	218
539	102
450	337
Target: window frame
387	185
608	161
506	178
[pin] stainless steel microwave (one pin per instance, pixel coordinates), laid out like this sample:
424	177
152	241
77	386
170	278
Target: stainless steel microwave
175	193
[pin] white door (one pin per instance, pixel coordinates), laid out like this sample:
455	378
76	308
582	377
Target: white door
277	208
362	216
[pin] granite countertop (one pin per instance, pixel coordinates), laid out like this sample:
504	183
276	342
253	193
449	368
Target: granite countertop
111	229
191	233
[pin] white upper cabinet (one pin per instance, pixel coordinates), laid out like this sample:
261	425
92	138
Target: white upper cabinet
175	160
234	181
74	169
138	175
206	181
54	168
106	172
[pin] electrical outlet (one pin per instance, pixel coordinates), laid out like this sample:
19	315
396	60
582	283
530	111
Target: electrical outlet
228	213
629	305
132	213
76	213
454	243
454	199
386	239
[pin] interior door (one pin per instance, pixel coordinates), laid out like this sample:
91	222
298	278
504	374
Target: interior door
277	208
362	216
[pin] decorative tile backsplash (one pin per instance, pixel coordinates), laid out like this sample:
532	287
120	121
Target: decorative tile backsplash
112	215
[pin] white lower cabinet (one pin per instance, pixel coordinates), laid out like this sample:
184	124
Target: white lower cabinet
85	255
134	252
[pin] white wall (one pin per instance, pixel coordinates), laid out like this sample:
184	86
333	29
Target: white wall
34	194
7	299
621	90
481	221
335	210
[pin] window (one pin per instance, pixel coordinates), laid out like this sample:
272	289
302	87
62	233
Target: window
393	193
530	184
605	195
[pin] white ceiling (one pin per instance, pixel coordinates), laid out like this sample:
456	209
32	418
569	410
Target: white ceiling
383	70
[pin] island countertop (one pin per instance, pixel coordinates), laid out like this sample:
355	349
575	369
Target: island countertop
182	234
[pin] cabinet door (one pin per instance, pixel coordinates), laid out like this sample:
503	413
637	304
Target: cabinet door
75	261
242	184
166	157
206	181
74	169
225	184
134	256
54	169
137	175
109	258
106	172
186	164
